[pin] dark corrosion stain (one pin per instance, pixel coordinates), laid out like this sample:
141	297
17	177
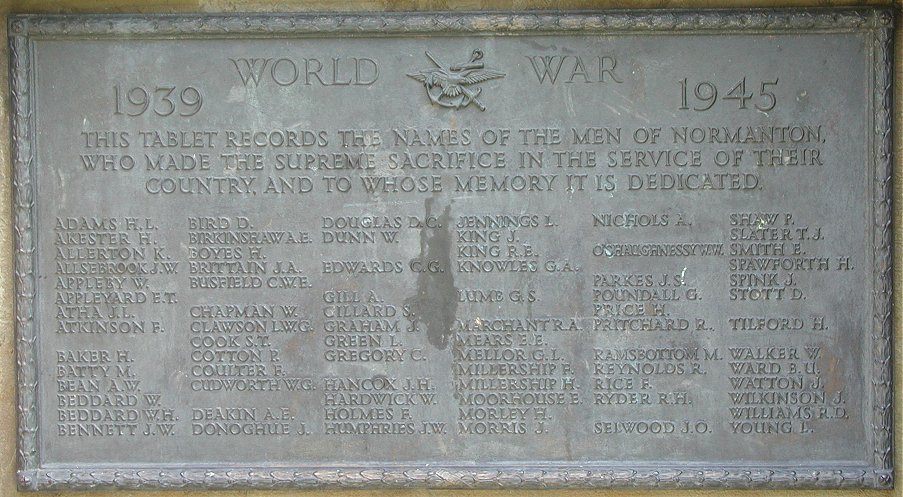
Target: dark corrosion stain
435	304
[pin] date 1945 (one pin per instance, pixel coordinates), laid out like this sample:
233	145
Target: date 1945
705	94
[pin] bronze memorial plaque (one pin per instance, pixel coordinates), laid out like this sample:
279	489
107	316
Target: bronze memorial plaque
646	249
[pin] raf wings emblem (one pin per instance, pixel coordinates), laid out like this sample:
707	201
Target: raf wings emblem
449	86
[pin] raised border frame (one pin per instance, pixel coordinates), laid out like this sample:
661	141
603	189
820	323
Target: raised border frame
32	475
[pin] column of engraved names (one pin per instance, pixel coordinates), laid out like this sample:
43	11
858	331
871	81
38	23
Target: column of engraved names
110	273
235	345
512	373
645	358
776	263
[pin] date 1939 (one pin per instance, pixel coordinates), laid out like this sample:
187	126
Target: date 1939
161	100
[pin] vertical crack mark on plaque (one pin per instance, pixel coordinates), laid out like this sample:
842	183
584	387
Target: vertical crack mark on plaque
435	303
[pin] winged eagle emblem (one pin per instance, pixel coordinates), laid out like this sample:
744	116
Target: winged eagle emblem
450	86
